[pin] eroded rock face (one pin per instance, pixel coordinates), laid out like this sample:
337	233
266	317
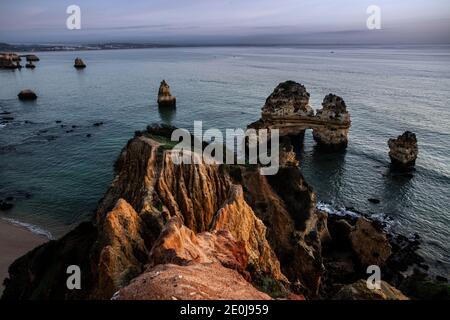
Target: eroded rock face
27	95
289	98
369	243
179	245
360	291
335	111
192	282
226	230
185	265
238	217
79	64
285	203
123	251
403	151
9	61
287	109
165	98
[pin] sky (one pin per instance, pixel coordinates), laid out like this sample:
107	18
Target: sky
225	21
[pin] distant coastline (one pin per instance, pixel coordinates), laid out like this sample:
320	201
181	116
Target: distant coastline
7	47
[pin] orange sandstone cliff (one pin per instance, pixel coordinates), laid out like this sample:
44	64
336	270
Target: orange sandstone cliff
190	231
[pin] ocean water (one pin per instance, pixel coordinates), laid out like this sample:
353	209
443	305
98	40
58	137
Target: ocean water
57	177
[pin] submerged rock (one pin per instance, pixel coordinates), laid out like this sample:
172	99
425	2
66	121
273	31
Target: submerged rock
79	64
165	230
32	58
419	286
5	205
403	151
287	156
9	61
370	244
165	98
148	190
27	95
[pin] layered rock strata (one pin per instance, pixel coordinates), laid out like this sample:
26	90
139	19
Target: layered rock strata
203	231
148	191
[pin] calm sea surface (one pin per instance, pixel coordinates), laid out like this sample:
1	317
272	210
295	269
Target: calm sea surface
57	177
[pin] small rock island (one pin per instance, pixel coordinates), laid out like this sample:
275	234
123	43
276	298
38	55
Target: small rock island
79	64
165	98
9	61
403	151
287	109
27	95
220	231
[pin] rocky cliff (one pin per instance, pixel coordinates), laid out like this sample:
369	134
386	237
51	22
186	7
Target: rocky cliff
148	191
200	231
287	109
333	110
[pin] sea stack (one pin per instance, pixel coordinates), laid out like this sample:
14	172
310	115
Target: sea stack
287	109
32	58
335	135
403	151
289	98
165	98
27	94
79	64
9	61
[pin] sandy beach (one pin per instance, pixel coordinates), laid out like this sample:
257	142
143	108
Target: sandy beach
14	242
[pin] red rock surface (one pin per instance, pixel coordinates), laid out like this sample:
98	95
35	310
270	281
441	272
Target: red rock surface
192	282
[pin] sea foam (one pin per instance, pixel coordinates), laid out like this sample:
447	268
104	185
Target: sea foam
32	228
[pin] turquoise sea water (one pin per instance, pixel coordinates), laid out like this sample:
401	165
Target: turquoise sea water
57	177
